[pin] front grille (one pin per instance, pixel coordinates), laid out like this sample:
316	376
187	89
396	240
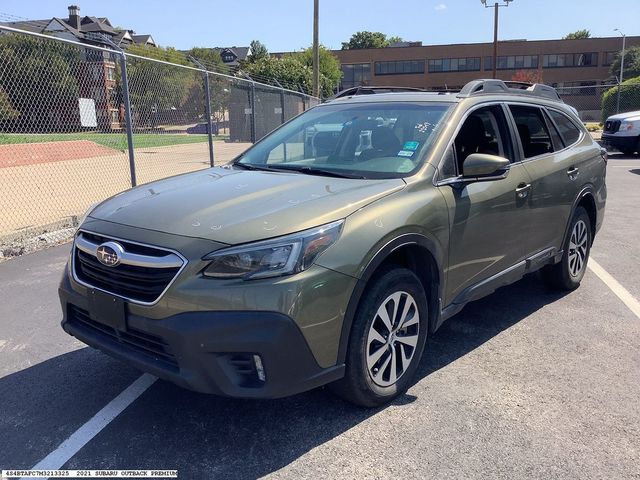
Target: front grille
152	347
129	279
611	126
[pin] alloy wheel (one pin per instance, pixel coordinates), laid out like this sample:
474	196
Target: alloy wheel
578	245
392	338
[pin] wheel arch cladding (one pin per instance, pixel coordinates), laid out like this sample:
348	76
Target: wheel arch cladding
415	252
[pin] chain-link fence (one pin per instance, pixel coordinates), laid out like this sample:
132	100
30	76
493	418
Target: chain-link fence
81	122
595	103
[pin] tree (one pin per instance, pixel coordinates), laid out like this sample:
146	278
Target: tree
39	84
578	34
629	98
631	64
369	40
258	51
162	93
209	57
330	72
528	76
288	70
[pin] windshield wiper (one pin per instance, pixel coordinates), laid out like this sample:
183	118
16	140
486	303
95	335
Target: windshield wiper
249	166
316	171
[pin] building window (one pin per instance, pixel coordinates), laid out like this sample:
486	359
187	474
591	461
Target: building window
355	74
399	67
111	73
565	60
512	62
609	58
468	64
114	116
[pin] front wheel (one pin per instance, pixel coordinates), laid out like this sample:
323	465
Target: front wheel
387	339
567	274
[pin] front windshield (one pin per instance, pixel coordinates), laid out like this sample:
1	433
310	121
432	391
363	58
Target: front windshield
374	140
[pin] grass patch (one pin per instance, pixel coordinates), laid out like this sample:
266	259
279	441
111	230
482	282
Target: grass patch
117	141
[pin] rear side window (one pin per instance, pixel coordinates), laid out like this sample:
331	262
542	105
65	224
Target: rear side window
570	133
532	130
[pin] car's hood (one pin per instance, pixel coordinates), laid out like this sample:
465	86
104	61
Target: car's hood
625	116
236	206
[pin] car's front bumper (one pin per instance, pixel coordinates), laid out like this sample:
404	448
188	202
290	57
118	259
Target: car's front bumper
619	142
206	351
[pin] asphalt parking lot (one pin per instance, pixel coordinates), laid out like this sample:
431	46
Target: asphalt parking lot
524	383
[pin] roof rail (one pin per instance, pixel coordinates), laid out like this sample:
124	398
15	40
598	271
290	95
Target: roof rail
479	87
370	90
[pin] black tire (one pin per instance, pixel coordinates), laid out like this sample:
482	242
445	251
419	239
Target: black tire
562	275
358	386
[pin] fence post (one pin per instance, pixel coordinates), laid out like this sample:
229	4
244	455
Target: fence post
127	116
253	112
618	99
207	108
282	116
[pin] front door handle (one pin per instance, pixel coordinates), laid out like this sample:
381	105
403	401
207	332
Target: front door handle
573	173
522	190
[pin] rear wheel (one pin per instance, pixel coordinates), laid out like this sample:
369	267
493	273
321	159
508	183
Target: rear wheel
567	274
387	339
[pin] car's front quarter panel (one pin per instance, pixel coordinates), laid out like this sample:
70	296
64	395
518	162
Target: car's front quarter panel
419	209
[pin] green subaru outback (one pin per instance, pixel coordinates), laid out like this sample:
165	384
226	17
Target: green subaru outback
331	249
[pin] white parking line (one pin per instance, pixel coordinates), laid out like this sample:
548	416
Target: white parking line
621	292
86	432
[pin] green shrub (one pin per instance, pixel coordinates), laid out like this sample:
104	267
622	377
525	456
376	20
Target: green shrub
629	98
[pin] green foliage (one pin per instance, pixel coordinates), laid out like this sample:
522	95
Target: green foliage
629	98
330	72
296	70
209	57
369	40
7	112
38	85
287	70
578	34
161	93
258	51
631	63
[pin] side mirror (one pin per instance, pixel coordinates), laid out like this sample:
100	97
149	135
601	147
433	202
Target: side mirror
482	166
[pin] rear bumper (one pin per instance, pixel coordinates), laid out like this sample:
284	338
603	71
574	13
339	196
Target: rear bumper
619	142
207	351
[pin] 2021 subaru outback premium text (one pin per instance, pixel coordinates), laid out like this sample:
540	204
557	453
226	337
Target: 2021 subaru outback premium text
331	249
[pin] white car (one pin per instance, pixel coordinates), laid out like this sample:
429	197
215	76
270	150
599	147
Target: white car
622	132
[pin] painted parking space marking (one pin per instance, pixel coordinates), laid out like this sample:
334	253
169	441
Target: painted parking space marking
86	432
615	286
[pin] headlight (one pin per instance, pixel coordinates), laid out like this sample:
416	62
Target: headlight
626	126
272	258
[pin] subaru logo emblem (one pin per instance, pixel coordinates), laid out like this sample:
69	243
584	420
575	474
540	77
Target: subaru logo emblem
109	254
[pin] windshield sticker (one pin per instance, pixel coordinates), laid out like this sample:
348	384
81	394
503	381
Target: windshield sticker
405	153
411	146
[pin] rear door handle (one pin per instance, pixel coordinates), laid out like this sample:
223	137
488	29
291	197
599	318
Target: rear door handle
522	190
573	173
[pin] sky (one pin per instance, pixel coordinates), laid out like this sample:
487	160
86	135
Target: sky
286	25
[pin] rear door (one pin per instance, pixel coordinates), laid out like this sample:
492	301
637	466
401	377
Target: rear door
551	163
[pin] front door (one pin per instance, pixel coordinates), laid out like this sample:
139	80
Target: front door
488	219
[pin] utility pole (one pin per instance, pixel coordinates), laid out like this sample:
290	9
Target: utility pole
496	6
316	51
621	77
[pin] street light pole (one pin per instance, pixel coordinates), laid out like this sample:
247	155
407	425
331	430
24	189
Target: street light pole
495	6
621	77
316	51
